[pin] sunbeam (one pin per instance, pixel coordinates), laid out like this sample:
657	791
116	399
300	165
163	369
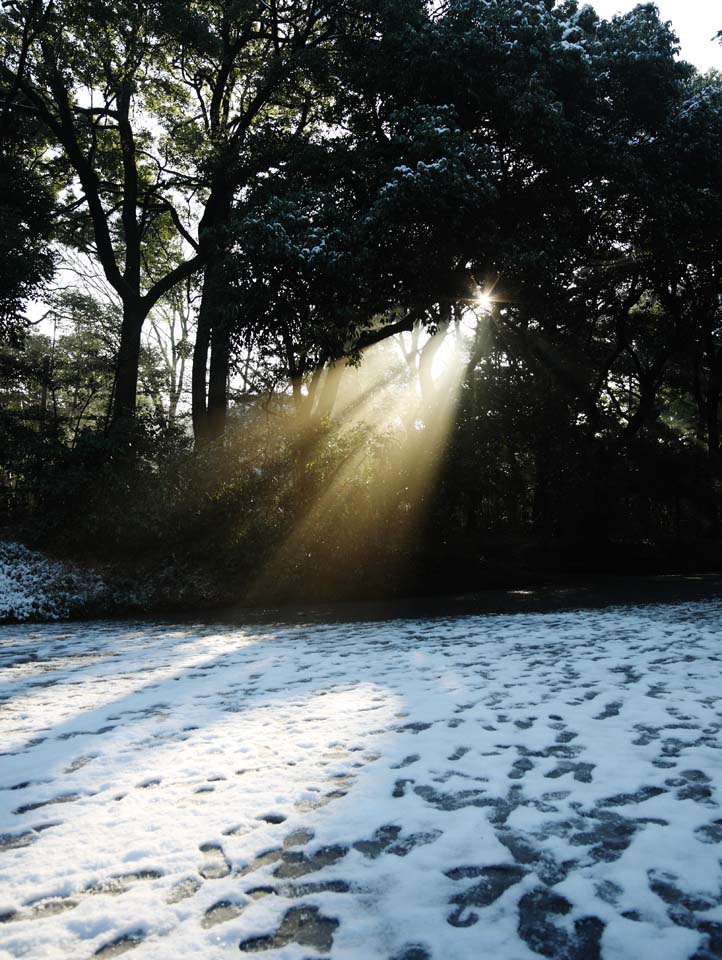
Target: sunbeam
391	418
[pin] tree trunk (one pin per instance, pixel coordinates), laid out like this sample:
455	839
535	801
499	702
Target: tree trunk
126	375
198	374
218	377
209	388
209	397
329	390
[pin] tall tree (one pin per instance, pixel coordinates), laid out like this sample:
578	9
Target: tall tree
155	109
26	205
262	84
90	72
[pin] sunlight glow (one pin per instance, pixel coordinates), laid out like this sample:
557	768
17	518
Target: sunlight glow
392	417
484	301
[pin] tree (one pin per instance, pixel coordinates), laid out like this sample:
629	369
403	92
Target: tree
27	210
171	330
685	243
26	261
265	89
85	69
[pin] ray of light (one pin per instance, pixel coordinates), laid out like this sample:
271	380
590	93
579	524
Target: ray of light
391	421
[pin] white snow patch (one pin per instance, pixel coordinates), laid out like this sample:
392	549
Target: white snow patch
466	787
32	587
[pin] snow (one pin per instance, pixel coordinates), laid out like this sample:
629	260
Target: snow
32	587
488	786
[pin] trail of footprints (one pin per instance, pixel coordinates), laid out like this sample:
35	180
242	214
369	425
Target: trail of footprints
600	834
303	925
290	863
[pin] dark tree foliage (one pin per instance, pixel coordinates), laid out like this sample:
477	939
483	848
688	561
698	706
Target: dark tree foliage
333	198
26	259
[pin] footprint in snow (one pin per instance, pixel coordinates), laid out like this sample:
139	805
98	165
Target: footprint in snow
62	798
79	763
183	890
412	952
491	883
298	838
221	912
129	941
216	864
542	927
297	864
262	860
388	839
272	818
303	925
53	905
406	762
11	841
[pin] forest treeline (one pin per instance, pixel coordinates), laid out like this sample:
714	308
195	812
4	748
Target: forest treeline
325	297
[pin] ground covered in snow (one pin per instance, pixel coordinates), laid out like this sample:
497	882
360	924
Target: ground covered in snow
457	789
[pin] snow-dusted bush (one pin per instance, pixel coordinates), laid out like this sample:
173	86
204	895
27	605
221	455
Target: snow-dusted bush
32	587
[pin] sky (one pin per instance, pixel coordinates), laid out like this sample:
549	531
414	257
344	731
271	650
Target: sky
695	23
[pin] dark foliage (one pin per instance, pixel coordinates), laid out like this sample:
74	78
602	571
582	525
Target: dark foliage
455	275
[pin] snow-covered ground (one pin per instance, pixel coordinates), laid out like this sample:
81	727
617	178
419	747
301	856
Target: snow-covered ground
484	787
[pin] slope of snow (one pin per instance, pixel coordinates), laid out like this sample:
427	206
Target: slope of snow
498	786
32	587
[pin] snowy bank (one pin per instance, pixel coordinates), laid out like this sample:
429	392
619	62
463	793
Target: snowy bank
32	587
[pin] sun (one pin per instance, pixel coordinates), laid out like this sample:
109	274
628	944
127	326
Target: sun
484	301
